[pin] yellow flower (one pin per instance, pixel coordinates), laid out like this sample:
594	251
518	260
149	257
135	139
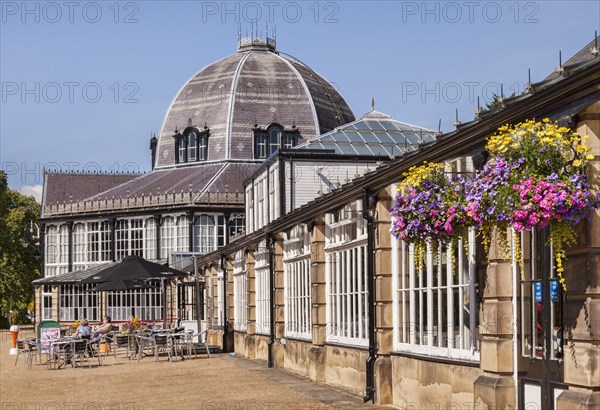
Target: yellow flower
577	163
589	157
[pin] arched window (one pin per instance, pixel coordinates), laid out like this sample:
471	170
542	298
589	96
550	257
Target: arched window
274	139
192	146
266	142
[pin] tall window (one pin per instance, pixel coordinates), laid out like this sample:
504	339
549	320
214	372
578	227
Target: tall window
214	301
263	295
136	234
46	302
204	234
181	150
150	251
240	307
266	142
435	309
51	250
76	302
79	245
122	238
167	234
274	139
192	146
535	272
183	230
145	304
296	283
346	274
203	146
63	246
105	241
93	242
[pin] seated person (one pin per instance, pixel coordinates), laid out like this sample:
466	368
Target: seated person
102	329
83	330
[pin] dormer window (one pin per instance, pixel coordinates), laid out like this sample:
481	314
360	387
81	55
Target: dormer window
192	145
267	141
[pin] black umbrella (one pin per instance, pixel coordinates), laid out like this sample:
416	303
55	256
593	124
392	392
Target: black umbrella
122	285
134	268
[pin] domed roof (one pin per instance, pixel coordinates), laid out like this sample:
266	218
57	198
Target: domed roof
256	86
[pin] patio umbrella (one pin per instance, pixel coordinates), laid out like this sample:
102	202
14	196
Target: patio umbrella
134	268
122	285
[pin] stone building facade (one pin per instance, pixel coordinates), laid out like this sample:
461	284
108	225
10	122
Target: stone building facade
325	291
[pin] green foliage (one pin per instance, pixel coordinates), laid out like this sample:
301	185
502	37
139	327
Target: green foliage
19	264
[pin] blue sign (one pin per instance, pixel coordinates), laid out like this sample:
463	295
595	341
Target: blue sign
554	290
537	286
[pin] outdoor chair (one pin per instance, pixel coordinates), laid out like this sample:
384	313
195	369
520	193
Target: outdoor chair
145	343
80	350
161	343
24	349
126	342
187	343
35	349
58	354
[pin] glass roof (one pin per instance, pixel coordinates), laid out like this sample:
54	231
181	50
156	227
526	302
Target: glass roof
375	134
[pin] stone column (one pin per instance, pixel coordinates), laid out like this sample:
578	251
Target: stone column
318	299
383	297
279	302
582	275
496	387
251	303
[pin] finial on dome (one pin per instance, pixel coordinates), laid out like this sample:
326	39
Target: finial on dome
372	103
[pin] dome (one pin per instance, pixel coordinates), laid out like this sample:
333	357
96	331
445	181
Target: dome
249	90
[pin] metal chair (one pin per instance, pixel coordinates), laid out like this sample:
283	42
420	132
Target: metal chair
126	342
80	350
24	349
145	343
189	345
161	343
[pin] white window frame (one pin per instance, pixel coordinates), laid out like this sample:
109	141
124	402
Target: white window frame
182	229
51	260
192	154
262	292
297	284
240	305
46	302
144	304
205	233
76	303
167	236
150	239
346	277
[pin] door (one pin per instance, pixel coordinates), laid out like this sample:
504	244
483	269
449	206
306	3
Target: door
541	324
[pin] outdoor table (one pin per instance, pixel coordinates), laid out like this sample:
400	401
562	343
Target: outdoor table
57	357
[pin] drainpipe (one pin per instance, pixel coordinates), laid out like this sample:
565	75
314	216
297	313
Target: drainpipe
225	324
515	321
271	245
370	364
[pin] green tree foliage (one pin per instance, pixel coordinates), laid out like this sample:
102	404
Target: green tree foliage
19	264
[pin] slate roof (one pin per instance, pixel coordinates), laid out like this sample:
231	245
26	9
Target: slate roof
65	186
375	134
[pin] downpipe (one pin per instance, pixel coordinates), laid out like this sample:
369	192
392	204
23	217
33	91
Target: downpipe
370	363
225	319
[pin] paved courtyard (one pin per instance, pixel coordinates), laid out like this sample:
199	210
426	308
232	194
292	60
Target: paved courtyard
221	382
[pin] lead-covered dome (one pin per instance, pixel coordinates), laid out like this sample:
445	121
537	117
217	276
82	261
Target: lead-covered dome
253	88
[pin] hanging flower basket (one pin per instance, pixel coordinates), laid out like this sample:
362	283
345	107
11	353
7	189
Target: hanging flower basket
535	179
430	205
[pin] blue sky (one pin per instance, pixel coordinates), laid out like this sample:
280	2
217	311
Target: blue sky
84	84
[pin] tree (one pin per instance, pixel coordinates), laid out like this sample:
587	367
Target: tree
19	264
